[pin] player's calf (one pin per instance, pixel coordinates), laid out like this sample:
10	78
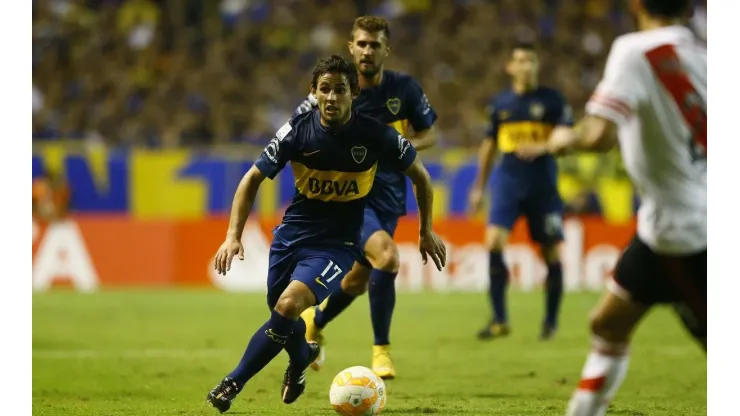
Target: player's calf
498	275
606	366
553	290
382	253
316	318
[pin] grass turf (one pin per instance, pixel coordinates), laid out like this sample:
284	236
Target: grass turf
160	352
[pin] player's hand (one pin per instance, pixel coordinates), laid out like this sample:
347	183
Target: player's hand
561	140
475	201
230	248
430	245
531	151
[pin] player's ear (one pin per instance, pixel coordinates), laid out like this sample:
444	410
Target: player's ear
387	50
312	89
351	47
355	91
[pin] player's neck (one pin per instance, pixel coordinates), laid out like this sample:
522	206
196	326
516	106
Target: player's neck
369	82
652	23
338	125
523	87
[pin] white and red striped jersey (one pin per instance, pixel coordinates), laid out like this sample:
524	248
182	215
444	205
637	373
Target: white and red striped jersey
655	89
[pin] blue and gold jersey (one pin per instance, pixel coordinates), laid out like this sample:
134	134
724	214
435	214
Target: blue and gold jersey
334	172
527	118
398	102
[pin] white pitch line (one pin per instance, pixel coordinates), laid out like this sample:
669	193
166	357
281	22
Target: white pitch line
130	354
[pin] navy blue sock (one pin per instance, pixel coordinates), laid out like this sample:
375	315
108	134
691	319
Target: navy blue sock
499	279
265	345
554	285
297	347
382	295
337	302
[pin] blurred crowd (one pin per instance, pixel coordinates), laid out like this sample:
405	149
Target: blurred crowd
189	72
168	73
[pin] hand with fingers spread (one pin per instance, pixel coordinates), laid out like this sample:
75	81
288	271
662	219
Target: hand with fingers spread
230	248
430	245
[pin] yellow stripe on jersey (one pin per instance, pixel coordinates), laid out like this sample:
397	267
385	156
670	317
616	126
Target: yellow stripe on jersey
512	134
332	185
401	126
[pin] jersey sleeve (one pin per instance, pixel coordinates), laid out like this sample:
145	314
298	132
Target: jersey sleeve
306	105
278	152
421	116
492	126
564	112
396	150
617	95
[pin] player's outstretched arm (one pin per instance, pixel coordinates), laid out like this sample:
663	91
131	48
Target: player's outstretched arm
429	244
592	134
244	198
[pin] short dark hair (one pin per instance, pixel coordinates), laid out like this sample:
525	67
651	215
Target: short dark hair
667	8
372	24
335	64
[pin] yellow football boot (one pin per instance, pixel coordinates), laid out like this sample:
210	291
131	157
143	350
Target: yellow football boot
494	330
313	334
383	364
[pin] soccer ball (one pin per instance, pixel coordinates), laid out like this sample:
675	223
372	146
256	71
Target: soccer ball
357	391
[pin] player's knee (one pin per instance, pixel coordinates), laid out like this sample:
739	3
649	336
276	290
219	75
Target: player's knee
291	305
496	238
550	253
386	257
609	327
356	281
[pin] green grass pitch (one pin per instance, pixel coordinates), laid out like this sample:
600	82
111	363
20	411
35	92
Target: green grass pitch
159	353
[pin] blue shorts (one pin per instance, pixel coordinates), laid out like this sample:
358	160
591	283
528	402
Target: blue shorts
375	221
320	268
539	202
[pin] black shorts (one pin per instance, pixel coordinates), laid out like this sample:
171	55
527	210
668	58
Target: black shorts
647	277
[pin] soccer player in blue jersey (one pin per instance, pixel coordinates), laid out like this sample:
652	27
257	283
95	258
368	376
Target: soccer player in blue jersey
525	113
395	99
334	153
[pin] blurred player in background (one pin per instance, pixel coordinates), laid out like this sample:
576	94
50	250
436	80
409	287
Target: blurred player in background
334	153
654	95
397	100
525	113
50	197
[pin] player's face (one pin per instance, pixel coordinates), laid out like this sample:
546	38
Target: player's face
369	50
335	98
523	65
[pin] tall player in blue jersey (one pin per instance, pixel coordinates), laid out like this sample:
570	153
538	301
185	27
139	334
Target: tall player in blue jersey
397	100
525	113
334	153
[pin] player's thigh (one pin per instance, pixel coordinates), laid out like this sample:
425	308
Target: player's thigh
505	209
544	213
282	261
685	278
377	241
323	269
496	237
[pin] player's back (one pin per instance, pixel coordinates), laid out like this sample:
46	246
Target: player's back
334	171
655	86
